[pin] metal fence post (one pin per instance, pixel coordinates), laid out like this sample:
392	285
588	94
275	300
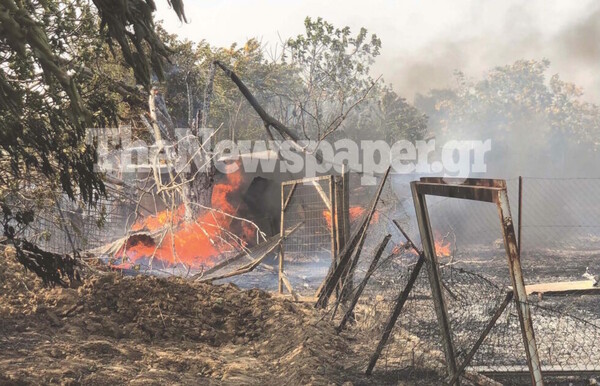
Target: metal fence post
516	276
434	279
520	238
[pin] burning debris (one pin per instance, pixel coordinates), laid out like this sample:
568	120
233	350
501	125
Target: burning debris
197	244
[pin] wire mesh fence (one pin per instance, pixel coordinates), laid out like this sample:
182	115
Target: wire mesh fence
67	226
475	278
309	251
561	228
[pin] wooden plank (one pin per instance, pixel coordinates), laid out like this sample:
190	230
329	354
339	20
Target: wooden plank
307	180
492	183
288	286
562	288
289	197
221	265
323	195
245	269
477	193
269	246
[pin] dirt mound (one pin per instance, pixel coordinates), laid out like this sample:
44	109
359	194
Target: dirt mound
145	330
148	330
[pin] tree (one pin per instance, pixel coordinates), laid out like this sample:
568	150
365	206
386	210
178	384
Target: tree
334	68
536	123
386	116
51	90
47	49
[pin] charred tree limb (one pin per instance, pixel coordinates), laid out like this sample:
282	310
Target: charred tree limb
52	268
266	118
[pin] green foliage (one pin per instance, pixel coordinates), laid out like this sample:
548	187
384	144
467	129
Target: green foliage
53	84
334	68
188	72
131	25
332	59
43	120
310	86
508	98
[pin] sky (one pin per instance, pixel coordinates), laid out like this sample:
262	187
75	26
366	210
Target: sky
423	42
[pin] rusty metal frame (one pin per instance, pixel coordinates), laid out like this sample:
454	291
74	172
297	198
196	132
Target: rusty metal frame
486	190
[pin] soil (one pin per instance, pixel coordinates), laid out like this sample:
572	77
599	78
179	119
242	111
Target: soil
145	330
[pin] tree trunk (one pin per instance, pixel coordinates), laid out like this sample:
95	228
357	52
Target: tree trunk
197	192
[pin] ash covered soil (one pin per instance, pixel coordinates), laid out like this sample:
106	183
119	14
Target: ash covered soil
145	330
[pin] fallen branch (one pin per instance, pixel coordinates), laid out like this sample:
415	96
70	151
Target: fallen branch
267	119
262	249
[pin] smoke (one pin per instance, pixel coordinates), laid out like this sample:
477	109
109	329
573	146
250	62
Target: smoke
523	31
579	45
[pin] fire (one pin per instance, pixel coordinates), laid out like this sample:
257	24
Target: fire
355	212
442	247
192	243
402	248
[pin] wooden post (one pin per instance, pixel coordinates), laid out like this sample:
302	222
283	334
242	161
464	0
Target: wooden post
435	280
281	234
345	203
342	217
346	263
518	285
520	214
402	298
334	221
372	267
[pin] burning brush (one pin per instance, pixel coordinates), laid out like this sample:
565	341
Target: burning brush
171	240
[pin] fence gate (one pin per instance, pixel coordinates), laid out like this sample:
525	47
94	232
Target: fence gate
318	208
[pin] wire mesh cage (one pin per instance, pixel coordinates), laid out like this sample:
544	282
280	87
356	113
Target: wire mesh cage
309	251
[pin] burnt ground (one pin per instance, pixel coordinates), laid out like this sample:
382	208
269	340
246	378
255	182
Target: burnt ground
148	330
117	329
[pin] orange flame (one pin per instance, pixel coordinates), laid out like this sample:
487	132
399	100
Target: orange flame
192	243
355	212
442	248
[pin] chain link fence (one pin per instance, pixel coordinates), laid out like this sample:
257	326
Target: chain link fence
476	280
